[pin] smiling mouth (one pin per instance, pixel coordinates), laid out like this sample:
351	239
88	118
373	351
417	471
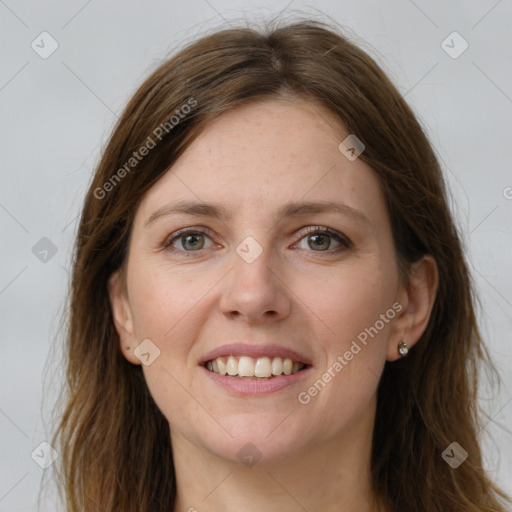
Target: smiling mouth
245	367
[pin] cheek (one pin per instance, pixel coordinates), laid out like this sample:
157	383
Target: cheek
356	313
352	300
166	308
164	299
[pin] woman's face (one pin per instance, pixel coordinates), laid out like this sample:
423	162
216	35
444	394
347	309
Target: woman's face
238	250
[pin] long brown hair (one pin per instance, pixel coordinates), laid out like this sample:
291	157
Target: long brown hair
114	442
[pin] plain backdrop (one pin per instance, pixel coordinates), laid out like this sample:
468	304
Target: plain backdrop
57	113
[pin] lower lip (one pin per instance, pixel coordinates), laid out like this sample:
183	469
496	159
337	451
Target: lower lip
245	387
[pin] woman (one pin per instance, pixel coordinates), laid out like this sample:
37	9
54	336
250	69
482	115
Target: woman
270	307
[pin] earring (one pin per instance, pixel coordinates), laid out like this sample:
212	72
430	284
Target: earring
403	348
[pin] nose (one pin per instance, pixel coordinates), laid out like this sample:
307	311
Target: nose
254	291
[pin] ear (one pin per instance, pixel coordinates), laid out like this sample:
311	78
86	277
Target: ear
121	313
417	300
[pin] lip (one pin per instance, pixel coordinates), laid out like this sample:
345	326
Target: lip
245	387
255	351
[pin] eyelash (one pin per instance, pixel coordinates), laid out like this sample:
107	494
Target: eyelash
311	230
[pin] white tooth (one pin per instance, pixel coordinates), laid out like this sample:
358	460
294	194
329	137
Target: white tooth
277	366
221	365
215	366
295	367
262	367
209	365
245	367
232	366
287	366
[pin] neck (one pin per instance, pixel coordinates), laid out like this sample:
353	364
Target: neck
333	475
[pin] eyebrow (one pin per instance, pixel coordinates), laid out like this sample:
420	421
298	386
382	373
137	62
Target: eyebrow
293	209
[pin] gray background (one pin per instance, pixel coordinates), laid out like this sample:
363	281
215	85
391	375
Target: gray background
57	114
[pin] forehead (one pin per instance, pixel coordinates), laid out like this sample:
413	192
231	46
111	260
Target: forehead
262	155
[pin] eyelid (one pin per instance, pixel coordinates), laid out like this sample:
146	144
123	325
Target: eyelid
340	237
186	231
333	233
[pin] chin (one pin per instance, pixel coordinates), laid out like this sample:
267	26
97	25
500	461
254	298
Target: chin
256	442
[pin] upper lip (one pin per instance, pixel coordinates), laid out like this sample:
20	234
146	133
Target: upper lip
255	351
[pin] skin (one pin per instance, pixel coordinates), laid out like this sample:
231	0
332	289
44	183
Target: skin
253	160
